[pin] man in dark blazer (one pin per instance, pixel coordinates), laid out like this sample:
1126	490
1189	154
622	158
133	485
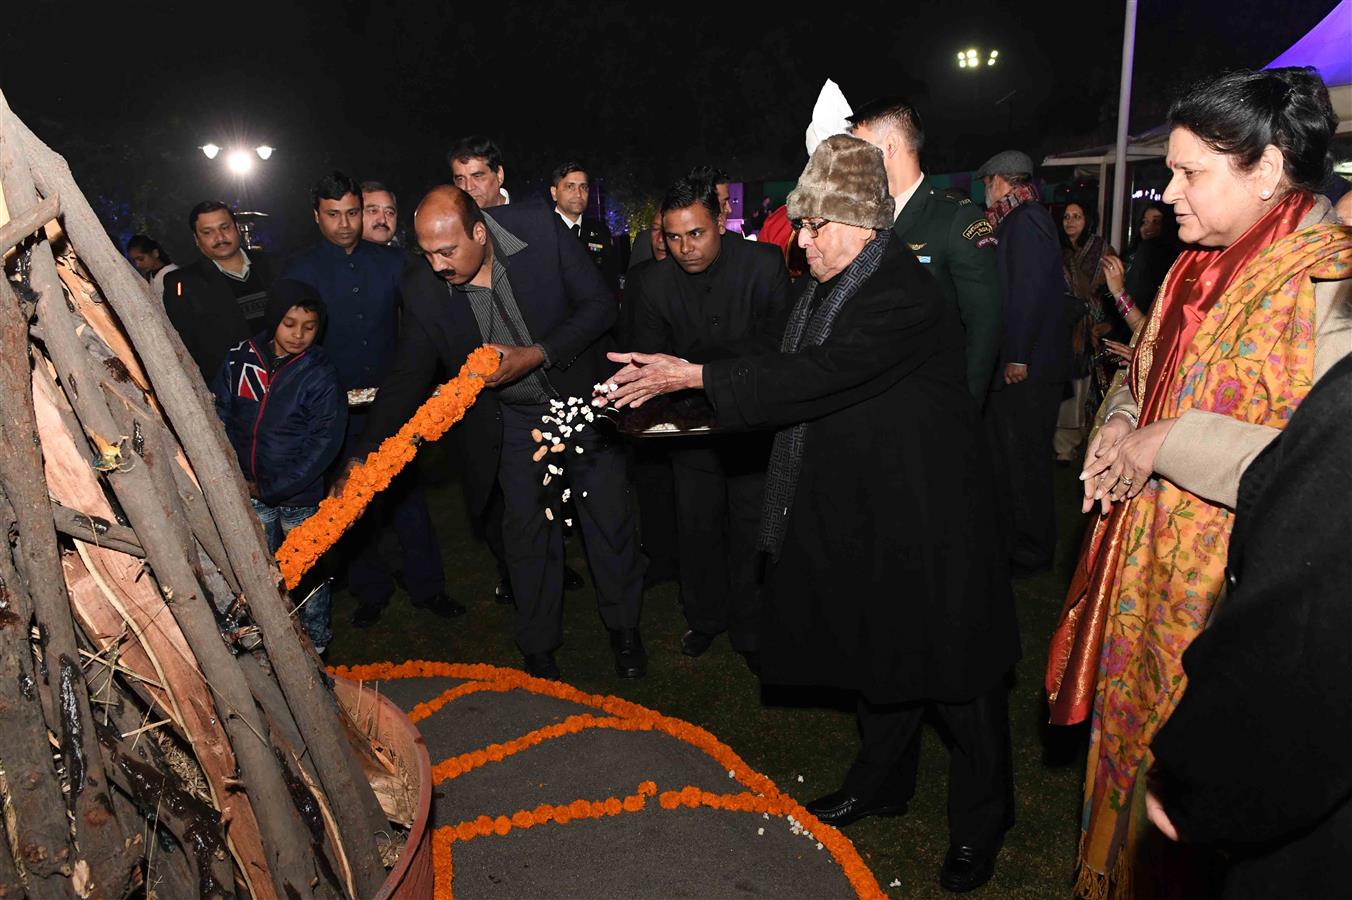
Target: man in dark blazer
217	301
570	188
948	233
518	282
712	291
1035	358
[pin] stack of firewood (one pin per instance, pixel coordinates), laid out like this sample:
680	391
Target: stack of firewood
165	728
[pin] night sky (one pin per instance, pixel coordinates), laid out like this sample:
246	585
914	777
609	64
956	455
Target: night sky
639	92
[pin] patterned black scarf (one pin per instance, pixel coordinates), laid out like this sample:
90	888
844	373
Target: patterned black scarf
807	329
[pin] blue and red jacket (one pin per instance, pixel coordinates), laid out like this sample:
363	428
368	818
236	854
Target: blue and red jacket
286	422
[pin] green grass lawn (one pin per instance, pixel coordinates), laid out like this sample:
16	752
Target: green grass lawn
804	747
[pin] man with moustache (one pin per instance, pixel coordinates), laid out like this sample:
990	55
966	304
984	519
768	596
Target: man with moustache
217	301
380	214
515	280
713	291
358	281
570	189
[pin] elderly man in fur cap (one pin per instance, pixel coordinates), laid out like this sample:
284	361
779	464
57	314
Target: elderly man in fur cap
885	573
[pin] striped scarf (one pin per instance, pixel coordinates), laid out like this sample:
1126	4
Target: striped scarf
807	328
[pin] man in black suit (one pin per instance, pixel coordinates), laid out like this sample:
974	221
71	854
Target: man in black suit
217	301
571	188
519	283
713	291
1035	358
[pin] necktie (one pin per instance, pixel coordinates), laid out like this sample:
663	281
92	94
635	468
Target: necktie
577	229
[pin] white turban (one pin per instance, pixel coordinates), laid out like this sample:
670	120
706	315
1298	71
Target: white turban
829	116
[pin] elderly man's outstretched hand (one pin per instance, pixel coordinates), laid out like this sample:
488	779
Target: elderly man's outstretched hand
647	375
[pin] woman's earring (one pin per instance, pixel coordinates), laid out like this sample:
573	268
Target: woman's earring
1267	194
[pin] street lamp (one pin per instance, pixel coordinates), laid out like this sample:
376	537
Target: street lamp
210	150
239	162
971	58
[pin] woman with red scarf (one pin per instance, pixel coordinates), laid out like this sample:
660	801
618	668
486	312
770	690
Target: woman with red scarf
1247	319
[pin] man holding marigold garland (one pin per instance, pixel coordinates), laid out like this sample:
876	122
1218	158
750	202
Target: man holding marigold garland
520	283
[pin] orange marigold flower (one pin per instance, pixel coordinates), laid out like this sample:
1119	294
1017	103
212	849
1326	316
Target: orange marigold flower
310	540
523	819
502	825
613	806
633	803
648	789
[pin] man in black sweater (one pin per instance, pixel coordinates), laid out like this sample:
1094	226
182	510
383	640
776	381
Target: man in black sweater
217	301
710	293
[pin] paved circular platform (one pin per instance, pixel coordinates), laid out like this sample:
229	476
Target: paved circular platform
544	791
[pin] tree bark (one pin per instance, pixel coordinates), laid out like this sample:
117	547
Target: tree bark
96	530
43	834
180	390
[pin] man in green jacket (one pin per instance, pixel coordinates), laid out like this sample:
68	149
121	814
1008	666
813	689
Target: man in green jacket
945	230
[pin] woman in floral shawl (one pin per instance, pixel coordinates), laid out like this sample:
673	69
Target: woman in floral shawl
1245	321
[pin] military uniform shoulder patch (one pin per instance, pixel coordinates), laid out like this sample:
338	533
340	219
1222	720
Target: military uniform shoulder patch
917	247
989	240
978	229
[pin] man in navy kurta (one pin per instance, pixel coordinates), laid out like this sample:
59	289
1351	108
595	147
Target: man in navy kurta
359	283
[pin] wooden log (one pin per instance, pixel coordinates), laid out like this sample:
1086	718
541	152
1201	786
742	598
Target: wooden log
291	865
109	591
20	227
10	885
180	389
101	839
42	836
168	806
96	530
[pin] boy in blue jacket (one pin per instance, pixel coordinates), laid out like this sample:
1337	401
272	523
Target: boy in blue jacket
278	396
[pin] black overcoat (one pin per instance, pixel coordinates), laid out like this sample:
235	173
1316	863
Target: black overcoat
1254	759
890	580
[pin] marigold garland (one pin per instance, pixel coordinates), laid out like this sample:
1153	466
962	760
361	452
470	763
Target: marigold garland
762	796
313	537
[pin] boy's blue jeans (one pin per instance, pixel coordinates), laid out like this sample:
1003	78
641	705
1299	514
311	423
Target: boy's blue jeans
314	615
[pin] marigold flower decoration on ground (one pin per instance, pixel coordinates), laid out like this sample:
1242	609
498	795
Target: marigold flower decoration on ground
762	795
307	543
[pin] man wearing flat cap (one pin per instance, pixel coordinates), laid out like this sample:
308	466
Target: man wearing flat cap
1035	358
884	574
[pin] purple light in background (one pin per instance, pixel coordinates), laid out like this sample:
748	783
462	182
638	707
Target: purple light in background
1327	47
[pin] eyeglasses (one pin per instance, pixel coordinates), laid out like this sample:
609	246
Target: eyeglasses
813	228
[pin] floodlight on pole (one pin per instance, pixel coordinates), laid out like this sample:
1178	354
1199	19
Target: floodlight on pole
263	152
210	150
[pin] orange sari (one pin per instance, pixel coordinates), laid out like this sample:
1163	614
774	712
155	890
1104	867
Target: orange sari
1231	333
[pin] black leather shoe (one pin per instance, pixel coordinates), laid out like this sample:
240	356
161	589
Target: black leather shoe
442	604
542	665
694	643
503	594
571	580
967	868
841	808
631	660
367	614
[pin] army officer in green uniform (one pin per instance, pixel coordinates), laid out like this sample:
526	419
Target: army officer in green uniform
944	229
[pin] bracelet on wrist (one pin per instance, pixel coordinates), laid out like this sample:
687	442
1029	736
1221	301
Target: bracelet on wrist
1123	302
1130	417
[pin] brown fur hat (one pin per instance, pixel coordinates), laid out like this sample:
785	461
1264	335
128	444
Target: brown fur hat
844	182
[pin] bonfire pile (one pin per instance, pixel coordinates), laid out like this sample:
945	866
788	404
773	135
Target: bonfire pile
165	729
